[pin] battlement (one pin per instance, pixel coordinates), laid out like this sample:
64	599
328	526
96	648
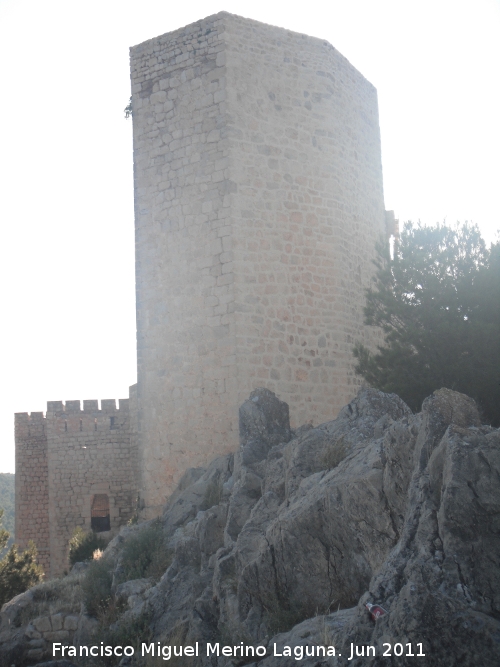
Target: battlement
29	416
69	416
108	405
29	425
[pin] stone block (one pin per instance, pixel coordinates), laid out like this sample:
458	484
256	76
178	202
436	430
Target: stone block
35	653
57	621
37	643
71	623
58	636
42	624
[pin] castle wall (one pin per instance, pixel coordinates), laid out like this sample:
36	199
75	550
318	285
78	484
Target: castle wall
88	453
258	195
62	462
31	484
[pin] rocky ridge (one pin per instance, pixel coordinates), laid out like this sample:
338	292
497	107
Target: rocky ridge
283	543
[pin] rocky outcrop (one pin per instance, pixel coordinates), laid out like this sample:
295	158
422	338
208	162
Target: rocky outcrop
282	544
31	622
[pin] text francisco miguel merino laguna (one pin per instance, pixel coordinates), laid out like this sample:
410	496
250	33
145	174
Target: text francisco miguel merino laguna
156	649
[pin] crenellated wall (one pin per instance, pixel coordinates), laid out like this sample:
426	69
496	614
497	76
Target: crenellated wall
86	452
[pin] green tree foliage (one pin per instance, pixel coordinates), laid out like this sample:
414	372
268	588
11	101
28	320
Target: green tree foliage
128	109
4	534
7	495
18	571
82	545
438	303
7	504
97	586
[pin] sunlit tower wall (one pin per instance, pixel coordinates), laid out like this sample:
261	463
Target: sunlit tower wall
258	203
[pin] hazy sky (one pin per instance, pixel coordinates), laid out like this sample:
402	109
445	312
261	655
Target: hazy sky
67	271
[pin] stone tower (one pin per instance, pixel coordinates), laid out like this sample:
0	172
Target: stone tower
259	200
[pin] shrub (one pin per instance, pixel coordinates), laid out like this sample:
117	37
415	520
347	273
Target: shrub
96	586
134	519
82	545
7	503
129	630
18	572
280	620
145	554
335	454
281	615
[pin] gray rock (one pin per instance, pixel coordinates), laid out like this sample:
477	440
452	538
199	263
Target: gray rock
57	621
441	583
79	568
133	591
327	445
246	492
43	624
284	542
264	422
31	632
71	622
205	492
11	609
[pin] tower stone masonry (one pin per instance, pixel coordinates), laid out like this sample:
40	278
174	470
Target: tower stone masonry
258	204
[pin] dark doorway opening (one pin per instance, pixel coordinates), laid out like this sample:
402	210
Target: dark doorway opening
99	513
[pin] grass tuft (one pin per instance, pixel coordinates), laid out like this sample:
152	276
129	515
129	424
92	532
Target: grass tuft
335	454
82	545
145	554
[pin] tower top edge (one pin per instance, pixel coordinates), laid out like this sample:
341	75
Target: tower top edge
228	15
220	16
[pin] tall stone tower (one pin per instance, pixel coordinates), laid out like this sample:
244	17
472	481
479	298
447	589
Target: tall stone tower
258	197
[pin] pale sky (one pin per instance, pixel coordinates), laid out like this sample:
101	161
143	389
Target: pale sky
67	272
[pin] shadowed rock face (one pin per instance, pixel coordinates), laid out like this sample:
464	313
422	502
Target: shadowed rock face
299	529
378	505
264	422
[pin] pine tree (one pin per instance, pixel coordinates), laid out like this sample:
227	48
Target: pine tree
4	534
437	301
18	570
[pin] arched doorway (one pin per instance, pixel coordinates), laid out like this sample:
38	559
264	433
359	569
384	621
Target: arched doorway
99	513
